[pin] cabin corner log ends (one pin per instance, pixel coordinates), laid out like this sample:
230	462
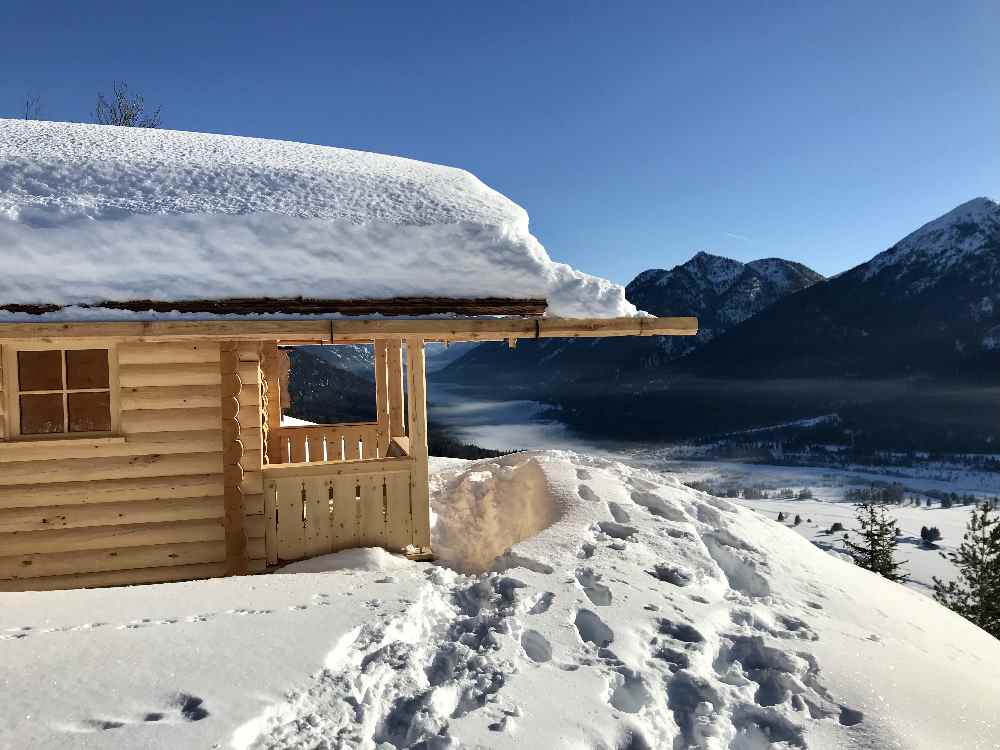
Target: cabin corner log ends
198	478
232	459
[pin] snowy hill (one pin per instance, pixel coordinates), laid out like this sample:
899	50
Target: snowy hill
619	609
929	304
721	292
192	216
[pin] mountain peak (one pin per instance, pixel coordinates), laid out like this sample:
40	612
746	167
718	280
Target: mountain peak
968	229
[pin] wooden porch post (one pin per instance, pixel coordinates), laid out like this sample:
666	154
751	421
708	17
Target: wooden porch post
382	397
417	398
237	562
394	366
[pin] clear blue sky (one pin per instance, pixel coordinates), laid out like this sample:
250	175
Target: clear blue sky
635	134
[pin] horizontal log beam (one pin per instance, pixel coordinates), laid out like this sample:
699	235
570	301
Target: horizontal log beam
338	468
76	516
352	331
119	490
98	561
109	537
117	578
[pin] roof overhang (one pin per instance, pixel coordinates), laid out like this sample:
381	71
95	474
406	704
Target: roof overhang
393	306
344	331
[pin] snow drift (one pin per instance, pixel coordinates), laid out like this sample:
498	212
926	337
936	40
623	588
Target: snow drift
91	213
621	610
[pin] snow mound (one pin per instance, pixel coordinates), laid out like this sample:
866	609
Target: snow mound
194	216
365	558
480	513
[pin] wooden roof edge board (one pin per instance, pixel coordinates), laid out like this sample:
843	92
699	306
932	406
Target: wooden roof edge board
348	331
391	306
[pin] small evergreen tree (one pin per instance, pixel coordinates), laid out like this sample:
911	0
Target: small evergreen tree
837	526
781	516
976	593
798	519
930	535
876	548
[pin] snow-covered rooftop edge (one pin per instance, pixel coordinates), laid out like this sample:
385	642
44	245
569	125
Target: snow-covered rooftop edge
93	213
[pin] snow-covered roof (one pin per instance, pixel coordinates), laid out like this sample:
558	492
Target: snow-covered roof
90	214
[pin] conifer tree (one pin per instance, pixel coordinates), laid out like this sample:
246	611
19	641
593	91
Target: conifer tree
976	593
875	549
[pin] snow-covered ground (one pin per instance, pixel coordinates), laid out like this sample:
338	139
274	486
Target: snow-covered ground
620	609
829	487
174	212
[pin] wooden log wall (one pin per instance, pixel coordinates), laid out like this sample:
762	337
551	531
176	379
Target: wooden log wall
3	401
147	505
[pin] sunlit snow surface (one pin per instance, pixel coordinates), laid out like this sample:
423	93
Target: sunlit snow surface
91	213
621	609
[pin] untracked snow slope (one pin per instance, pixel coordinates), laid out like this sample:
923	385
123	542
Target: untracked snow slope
91	213
588	605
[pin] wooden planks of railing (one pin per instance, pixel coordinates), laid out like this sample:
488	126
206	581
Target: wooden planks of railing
316	508
329	442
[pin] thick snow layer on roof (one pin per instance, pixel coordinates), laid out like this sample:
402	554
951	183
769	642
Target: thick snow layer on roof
91	213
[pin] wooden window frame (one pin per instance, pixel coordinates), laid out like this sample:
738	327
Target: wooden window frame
11	388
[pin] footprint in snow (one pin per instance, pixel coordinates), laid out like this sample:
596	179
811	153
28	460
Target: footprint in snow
582	474
541	603
630	694
671	574
536	646
592	629
780	677
587	494
617	530
618	513
596	591
183	707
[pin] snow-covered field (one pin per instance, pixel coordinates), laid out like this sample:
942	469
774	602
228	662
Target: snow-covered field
620	609
829	506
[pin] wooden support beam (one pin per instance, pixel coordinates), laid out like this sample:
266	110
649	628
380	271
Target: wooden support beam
349	331
271	363
417	407
232	455
382	396
304	331
394	367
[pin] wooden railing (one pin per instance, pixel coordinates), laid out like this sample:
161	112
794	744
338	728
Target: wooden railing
328	442
316	508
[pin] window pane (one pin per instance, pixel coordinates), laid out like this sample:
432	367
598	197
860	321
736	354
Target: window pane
42	414
87	368
89	412
40	371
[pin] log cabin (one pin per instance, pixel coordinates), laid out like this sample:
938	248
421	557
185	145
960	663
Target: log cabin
141	438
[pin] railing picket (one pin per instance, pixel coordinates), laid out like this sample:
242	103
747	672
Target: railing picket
399	528
318	533
344	509
271	522
372	515
291	542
